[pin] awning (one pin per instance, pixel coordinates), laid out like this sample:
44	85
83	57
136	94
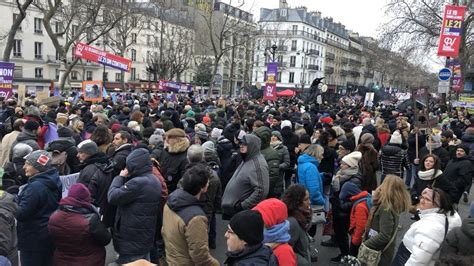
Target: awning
286	93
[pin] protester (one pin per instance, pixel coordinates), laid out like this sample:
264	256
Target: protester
36	202
460	240
8	233
67	145
244	236
137	193
8	140
77	232
250	183
459	171
308	174
185	226
122	143
29	136
393	159
273	161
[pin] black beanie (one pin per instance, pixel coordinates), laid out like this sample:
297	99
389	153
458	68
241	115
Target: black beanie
65	132
248	226
465	147
31	125
348	145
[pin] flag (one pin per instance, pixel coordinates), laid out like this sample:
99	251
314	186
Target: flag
104	92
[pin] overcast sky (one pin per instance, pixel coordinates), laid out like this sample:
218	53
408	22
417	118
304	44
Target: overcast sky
362	16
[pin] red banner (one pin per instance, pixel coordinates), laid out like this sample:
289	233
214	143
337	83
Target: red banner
270	92
97	55
451	31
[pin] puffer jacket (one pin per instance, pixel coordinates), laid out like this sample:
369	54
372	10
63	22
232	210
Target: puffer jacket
359	216
120	156
8	237
173	162
96	174
425	236
460	240
468	139
459	172
273	161
69	146
250	183
137	198
38	200
253	255
393	159
79	235
309	177
284	156
184	231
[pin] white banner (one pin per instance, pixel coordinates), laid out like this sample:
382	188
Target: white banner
68	181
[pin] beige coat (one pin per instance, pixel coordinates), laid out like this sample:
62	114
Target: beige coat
6	147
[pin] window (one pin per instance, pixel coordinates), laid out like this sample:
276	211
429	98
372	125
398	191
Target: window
74	75
279	76
57	74
58	56
17	48
292	77
15	16
148	56
74	30
133	55
295	29
118	77
292	61
38	25
38	72
257	59
58	26
134	38
38	50
155	44
148	40
294	43
18	72
133	73
88	75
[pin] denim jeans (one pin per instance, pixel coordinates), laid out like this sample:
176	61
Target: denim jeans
212	230
410	174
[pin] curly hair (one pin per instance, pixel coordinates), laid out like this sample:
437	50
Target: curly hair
102	135
294	198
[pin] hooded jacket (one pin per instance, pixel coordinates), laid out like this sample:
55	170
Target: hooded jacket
6	147
459	172
78	234
38	200
173	162
137	198
69	146
359	216
460	240
28	137
273	161
250	183
120	156
8	237
309	177
468	139
184	231
393	160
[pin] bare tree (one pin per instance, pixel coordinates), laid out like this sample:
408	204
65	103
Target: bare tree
22	8
81	20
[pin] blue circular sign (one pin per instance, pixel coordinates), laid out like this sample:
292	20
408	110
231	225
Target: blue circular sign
444	74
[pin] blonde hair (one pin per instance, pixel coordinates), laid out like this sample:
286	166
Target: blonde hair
392	194
316	151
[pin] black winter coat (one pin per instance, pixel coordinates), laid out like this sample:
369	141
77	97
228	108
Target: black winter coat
393	160
69	146
253	255
119	157
173	163
137	198
459	172
230	160
411	152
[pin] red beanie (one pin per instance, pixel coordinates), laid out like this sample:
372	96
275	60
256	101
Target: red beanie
273	211
206	119
79	192
326	120
115	128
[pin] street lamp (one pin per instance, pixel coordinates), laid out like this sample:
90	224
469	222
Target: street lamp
304	68
272	51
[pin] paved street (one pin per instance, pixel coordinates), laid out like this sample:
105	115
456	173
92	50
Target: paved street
325	253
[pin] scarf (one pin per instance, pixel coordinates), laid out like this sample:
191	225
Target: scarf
434	145
278	233
348	173
275	144
429	174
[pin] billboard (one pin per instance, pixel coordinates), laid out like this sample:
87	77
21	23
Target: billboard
100	56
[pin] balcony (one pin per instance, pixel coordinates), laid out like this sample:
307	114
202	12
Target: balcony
329	70
343	73
344	61
330	56
356	63
369	75
291	33
313	67
355	73
282	48
313	52
282	64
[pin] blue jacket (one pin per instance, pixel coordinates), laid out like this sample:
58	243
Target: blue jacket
38	200
308	176
137	198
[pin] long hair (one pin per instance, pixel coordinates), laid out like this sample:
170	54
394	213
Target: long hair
392	194
293	198
436	166
102	135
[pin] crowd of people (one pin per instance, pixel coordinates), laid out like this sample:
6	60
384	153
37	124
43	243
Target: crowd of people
152	176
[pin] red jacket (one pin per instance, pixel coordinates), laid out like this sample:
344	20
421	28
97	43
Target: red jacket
359	216
285	255
383	136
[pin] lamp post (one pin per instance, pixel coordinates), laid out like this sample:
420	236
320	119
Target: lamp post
272	51
304	68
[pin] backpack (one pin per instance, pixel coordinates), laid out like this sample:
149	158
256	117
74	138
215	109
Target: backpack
59	161
368	200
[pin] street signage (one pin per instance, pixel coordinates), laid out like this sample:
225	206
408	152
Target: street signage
451	31
94	54
444	74
443	86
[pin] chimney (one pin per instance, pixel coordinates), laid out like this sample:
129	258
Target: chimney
283	4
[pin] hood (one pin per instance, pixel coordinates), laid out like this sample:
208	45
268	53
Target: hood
369	129
273	211
138	162
179	147
99	158
265	135
26	135
352	187
49	178
361	195
468	227
253	144
61	144
391	149
306	158
7	202
467	137
181	199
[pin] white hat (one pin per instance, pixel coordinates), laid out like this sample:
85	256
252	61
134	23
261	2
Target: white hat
286	123
352	159
216	133
396	138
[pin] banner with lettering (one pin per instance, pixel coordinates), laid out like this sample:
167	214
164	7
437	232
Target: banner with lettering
269	91
451	31
457	82
100	56
6	79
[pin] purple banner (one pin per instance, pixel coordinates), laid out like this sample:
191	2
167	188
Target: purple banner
6	76
5	93
174	86
272	70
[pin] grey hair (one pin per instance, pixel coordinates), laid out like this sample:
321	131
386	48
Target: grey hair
316	151
195	153
20	150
